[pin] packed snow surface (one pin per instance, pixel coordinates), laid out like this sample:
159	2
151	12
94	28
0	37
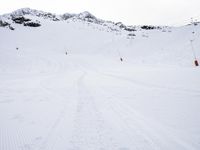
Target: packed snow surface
63	87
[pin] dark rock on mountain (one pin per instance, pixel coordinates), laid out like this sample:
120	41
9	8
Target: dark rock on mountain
11	28
32	24
146	27
67	16
120	25
6	24
130	28
87	16
3	23
20	19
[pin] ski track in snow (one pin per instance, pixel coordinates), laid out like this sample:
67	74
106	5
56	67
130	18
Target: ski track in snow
89	130
84	100
82	123
142	133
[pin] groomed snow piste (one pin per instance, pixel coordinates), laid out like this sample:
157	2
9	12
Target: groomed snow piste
64	87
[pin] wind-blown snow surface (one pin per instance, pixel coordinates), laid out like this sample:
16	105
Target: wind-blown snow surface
89	99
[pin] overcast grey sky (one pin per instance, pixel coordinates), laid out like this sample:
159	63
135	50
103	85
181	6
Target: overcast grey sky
130	12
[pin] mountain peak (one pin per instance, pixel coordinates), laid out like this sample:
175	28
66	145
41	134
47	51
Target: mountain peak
86	14
32	12
19	17
26	11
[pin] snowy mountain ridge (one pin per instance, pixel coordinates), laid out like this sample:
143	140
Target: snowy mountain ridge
7	20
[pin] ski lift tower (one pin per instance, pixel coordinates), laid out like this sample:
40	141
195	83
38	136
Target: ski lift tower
196	63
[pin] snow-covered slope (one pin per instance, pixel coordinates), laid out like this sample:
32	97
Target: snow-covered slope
63	86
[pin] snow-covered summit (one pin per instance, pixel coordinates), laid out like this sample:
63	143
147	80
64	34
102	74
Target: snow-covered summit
87	16
21	15
84	16
29	11
8	20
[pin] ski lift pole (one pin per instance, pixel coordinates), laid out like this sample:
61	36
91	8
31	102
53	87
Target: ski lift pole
191	41
121	59
194	54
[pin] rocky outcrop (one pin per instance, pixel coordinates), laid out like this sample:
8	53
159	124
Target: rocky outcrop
6	24
26	21
32	12
146	27
3	23
67	16
32	24
20	19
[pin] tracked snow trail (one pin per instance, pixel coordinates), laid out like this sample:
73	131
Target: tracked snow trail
138	131
78	106
92	111
90	129
89	99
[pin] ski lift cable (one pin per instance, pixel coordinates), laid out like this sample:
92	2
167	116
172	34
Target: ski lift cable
193	38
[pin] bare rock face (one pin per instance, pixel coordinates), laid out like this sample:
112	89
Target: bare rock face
6	24
26	21
146	27
3	23
32	24
67	16
20	19
86	16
